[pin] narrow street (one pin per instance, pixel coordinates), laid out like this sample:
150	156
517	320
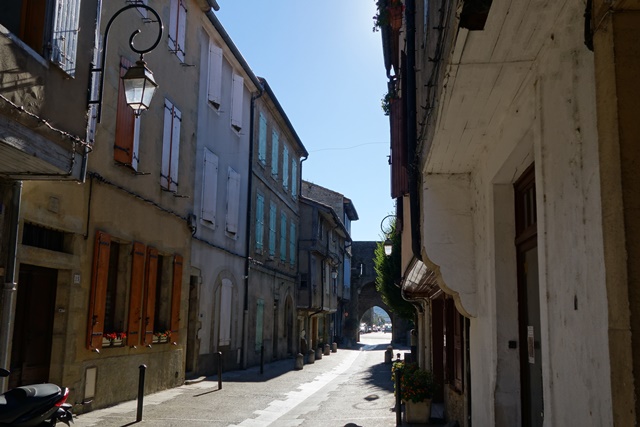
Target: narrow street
350	386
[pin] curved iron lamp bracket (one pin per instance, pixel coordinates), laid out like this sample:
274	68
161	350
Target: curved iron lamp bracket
141	52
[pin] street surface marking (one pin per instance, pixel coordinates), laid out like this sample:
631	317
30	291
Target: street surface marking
279	408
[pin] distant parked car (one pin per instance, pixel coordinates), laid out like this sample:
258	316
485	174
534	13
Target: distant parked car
364	328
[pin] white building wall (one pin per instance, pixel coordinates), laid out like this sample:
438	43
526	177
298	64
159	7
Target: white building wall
551	121
217	254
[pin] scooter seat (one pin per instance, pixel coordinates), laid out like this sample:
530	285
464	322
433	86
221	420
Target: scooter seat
21	400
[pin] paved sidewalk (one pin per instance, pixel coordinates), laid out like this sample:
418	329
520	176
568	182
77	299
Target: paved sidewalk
350	386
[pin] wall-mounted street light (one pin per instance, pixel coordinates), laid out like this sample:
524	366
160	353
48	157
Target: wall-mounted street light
139	83
388	244
388	247
334	273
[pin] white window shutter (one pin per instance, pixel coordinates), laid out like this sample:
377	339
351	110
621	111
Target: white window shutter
173	25
209	187
215	74
166	144
175	149
64	37
236	102
182	30
233	201
226	293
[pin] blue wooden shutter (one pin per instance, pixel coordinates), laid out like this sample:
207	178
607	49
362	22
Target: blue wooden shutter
273	220
233	201
292	243
64	36
274	154
285	167
259	222
283	236
262	140
294	178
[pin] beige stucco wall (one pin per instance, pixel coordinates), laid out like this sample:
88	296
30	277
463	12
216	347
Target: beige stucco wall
127	220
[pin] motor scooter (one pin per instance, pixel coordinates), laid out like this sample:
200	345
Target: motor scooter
34	405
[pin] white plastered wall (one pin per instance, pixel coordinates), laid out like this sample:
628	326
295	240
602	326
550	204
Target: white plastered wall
468	237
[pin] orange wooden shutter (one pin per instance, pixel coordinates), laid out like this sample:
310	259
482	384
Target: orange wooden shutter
125	122
150	284
175	298
98	295
135	297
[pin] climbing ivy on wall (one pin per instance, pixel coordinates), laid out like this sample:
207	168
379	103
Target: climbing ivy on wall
388	274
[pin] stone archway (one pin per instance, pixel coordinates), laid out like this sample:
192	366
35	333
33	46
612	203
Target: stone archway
368	298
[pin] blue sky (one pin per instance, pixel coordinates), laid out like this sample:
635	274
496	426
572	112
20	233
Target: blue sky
325	65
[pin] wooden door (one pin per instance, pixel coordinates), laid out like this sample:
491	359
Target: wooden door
529	301
31	350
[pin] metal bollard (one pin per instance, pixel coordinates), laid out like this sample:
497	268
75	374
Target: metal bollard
398	373
219	370
143	369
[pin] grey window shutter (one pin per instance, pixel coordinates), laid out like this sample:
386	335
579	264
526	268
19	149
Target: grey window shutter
64	37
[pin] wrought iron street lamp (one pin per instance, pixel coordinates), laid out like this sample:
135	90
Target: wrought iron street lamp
138	81
388	244
388	247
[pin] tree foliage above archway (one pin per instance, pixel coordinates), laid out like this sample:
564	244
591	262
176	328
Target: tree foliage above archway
388	273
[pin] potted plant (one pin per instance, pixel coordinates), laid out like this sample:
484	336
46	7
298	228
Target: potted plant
386	102
389	13
417	388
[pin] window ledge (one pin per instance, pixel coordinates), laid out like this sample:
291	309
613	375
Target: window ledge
22	45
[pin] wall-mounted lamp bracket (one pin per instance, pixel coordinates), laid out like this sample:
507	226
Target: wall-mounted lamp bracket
140	70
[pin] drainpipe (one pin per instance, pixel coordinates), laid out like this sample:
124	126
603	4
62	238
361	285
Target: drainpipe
245	318
409	80
9	288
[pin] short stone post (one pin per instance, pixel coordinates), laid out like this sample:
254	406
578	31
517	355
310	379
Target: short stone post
334	347
388	354
311	356
327	350
299	362
319	352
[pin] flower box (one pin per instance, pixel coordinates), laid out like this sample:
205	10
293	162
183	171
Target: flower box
161	337
114	339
